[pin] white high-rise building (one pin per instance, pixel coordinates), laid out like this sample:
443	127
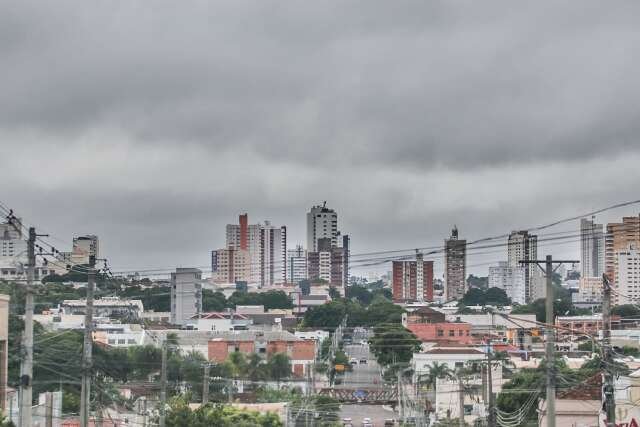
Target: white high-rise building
322	222
523	246
297	264
85	247
628	276
273	254
186	294
510	279
591	248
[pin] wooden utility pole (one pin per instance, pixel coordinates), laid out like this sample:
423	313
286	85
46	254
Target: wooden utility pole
87	358
607	358
550	332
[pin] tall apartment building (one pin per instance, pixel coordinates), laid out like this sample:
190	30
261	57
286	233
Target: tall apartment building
455	261
523	246
11	230
406	280
329	262
619	237
247	237
85	247
510	279
296	264
186	294
322	223
230	265
273	254
591	248
628	276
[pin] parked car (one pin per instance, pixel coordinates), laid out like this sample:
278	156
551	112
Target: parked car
347	422
353	361
366	422
363	361
389	422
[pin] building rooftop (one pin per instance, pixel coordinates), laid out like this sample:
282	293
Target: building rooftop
220	315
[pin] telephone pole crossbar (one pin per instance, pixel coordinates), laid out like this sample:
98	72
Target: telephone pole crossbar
548	270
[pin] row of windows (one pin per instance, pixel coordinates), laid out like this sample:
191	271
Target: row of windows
452	333
122	341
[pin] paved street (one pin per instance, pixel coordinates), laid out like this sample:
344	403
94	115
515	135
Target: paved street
363	375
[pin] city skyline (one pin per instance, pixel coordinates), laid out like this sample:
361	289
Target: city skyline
406	126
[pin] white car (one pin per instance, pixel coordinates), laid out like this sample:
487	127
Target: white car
353	361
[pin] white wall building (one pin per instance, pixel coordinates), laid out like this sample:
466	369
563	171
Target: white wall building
273	254
628	276
589	291
591	248
296	265
186	294
104	307
223	321
119	335
85	247
510	279
447	396
523	246
322	222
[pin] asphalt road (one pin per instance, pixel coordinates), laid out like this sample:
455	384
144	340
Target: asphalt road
363	375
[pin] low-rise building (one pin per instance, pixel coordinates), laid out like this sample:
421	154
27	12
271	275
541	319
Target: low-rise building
105	307
119	335
447	396
220	321
301	352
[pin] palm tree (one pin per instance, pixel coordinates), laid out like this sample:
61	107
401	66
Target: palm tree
437	371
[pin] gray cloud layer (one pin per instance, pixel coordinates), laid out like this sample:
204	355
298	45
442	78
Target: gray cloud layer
154	125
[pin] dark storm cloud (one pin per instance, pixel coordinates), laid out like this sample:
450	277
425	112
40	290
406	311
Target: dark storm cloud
153	125
449	83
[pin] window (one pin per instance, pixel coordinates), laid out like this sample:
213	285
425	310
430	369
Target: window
459	364
121	341
460	333
111	341
440	332
452	333
131	341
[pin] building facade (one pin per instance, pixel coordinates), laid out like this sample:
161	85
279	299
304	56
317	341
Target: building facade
230	265
273	255
296	265
455	260
523	246
405	281
85	247
627	276
510	279
186	295
591	248
619	237
322	222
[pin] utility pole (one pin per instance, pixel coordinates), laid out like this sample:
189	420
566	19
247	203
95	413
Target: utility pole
609	390
163	383
87	358
26	368
492	404
460	401
205	384
550	331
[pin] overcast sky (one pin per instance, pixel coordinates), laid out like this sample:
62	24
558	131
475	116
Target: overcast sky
153	124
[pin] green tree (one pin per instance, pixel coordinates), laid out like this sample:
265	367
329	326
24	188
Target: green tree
626	311
213	301
392	342
359	293
279	366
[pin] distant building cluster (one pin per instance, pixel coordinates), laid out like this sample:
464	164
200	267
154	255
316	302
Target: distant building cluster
258	253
